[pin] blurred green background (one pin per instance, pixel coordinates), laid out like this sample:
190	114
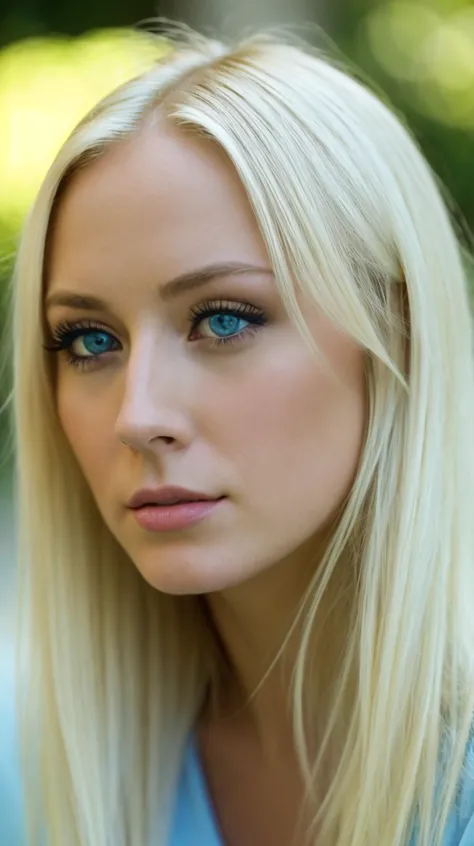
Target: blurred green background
57	59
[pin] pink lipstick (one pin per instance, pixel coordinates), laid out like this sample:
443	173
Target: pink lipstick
171	509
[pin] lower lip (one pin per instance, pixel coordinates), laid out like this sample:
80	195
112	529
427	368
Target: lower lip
173	518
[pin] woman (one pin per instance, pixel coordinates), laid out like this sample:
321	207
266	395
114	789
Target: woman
244	403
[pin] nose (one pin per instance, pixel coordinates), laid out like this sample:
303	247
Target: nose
153	415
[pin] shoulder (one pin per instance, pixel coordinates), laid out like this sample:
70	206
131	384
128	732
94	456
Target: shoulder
11	814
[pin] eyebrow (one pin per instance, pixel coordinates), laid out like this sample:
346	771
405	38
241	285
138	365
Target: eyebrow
175	287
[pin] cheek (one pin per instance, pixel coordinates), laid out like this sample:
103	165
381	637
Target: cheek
88	427
297	432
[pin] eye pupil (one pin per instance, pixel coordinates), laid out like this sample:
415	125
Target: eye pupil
224	324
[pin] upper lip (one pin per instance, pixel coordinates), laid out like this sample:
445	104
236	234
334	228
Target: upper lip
166	496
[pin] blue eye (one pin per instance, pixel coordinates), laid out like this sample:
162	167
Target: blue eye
225	321
84	344
224	325
94	343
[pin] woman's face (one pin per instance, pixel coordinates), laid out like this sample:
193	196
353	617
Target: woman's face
189	372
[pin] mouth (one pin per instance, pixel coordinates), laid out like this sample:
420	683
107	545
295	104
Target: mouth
174	514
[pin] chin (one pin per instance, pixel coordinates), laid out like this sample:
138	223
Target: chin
186	574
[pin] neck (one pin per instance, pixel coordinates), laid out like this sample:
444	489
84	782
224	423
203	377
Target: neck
253	622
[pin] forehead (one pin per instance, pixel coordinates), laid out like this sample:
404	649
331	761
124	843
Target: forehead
161	196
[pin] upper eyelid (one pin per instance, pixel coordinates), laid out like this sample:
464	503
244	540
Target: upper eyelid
85	323
70	331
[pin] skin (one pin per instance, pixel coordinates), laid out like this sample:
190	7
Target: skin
259	421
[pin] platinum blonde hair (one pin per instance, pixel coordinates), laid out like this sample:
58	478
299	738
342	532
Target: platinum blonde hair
115	671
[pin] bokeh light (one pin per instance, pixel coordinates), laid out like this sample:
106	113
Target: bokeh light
431	49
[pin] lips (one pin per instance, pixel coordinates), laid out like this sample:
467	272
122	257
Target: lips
172	510
168	496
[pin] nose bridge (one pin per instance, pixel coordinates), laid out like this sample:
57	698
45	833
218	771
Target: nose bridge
147	372
152	401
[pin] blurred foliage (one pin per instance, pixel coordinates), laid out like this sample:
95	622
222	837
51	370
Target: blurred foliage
422	55
46	86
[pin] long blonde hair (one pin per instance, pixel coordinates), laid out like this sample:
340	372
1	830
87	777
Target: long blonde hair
115	671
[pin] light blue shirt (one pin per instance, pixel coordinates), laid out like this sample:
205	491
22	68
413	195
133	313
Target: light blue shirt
193	821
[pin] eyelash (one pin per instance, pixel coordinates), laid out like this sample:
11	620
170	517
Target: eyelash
64	334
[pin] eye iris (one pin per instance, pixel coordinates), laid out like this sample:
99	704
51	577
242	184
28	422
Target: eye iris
95	342
225	324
